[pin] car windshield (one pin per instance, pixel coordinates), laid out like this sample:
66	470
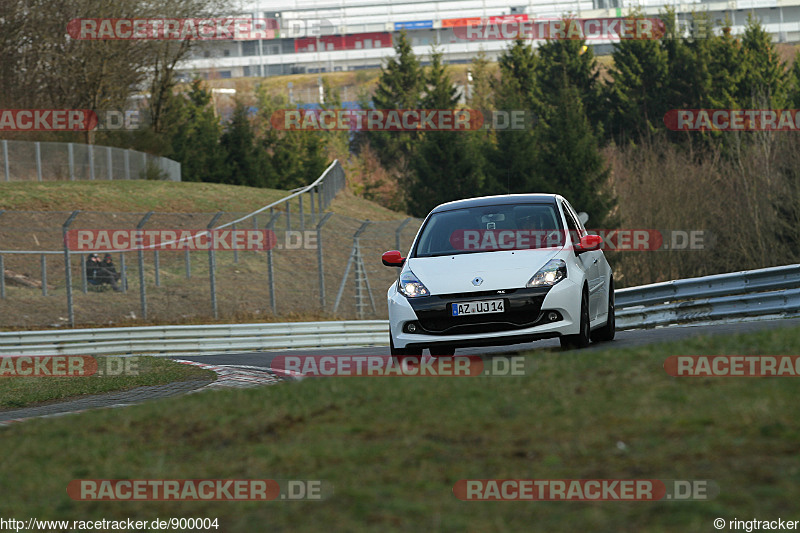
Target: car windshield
490	228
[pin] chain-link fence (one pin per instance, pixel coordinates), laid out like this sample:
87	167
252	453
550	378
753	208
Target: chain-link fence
54	161
323	265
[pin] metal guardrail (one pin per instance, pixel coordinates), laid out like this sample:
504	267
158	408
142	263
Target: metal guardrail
755	293
195	339
764	279
751	293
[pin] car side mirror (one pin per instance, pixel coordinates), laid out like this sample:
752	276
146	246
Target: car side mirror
393	258
589	243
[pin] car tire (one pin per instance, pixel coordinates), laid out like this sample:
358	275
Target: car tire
582	339
606	333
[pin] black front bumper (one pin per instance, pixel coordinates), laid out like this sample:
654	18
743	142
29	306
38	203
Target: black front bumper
522	309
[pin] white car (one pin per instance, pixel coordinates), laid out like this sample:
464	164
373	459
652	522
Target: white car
500	270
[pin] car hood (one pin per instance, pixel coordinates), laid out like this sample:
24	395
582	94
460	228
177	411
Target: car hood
499	270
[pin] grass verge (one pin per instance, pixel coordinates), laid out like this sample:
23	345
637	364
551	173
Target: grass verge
393	447
112	374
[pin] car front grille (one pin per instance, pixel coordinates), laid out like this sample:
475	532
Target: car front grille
522	310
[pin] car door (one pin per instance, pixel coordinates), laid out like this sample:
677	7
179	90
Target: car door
591	262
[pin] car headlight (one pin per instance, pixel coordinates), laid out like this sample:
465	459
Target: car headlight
554	271
410	286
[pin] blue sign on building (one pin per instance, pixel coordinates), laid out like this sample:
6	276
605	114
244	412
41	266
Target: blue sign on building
413	25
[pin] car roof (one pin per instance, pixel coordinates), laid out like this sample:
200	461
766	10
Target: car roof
497	200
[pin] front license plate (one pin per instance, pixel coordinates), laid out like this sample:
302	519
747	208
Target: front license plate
478	308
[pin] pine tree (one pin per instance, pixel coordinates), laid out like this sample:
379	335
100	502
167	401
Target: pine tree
401	80
567	58
287	159
399	86
446	167
238	142
481	99
690	81
764	80
727	70
193	135
570	161
480	95
793	84
637	99
512	163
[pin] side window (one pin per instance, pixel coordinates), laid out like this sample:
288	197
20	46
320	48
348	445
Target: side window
576	219
573	225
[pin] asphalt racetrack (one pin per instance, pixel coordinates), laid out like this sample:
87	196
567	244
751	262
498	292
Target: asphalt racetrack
624	339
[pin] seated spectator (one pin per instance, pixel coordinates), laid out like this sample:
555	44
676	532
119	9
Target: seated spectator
102	272
92	266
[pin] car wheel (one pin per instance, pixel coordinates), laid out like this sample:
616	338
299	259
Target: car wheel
606	333
581	340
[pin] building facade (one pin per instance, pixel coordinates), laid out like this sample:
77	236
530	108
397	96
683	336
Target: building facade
316	36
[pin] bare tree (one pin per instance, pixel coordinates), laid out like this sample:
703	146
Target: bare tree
44	67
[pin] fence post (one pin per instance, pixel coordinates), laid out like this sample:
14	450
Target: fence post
123	272
270	268
5	160
67	268
255	227
2	269
212	266
38	160
91	160
289	215
44	275
302	216
83	273
156	264
320	267
235	249
313	213
109	172
397	232
187	264
71	156
127	164
140	251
